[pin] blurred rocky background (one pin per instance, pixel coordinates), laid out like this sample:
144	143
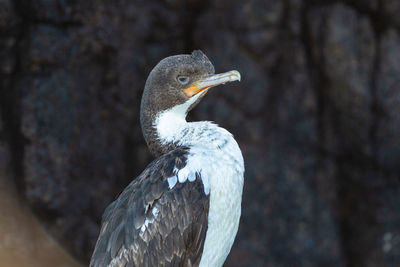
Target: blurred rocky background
317	116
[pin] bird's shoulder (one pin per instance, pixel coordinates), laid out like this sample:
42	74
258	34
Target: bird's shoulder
154	221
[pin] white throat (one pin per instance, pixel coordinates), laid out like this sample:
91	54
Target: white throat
170	123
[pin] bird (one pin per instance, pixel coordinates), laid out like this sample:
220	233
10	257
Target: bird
184	208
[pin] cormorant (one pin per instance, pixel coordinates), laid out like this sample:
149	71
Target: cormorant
184	208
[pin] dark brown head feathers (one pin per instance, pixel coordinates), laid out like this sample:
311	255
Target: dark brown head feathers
199	56
164	91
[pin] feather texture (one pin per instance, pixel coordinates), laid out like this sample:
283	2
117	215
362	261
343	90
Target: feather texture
151	224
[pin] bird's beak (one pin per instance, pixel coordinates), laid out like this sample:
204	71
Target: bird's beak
202	86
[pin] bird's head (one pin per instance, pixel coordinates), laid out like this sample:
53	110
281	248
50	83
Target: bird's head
176	85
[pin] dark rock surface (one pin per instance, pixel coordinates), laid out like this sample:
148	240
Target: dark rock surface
316	115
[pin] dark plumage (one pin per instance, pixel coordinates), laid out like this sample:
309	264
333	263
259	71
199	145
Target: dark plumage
162	91
124	217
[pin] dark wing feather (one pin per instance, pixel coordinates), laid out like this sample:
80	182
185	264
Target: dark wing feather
176	220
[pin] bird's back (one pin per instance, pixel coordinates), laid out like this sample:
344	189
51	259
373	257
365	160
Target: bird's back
154	222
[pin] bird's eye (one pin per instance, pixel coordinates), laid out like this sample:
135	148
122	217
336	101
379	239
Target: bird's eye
182	79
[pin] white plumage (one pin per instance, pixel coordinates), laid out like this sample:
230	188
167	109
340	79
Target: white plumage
216	155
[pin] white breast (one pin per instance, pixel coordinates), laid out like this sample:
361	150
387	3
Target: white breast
224	170
215	153
220	164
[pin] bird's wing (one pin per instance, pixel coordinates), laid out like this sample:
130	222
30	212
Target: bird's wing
156	221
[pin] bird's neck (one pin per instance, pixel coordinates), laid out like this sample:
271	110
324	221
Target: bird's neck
168	129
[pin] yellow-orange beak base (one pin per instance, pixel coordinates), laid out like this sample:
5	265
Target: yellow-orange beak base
210	81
